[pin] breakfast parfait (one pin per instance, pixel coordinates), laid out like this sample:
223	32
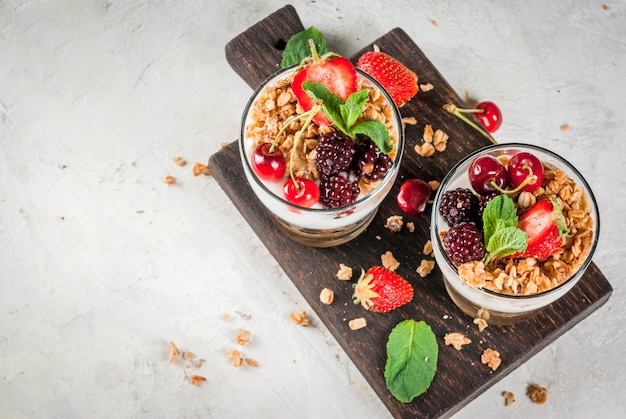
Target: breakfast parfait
517	221
321	144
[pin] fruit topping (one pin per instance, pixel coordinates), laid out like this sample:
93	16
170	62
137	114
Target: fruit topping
487	174
334	153
301	191
336	74
487	113
398	80
458	206
381	290
268	162
464	243
413	196
371	163
339	190
545	226
525	172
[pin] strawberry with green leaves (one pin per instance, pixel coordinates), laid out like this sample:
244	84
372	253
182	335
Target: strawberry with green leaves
397	79
381	290
546	228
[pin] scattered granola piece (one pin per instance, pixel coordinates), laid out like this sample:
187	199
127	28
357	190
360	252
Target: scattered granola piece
409	120
428	134
179	161
174	352
425	150
224	144
426	87
509	398
389	261
344	273
457	340
226	317
605	7
357	323
432	21
326	296
170	180
188	356
410	226
428	248
243	337
440	140
426	267
395	223
564	127
434	184
537	394
235	356
299	318
483	313
200	169
481	323
252	362
491	357
196	379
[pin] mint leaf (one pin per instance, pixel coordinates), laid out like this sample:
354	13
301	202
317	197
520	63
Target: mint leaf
353	108
412	353
331	103
505	242
500	212
377	131
297	48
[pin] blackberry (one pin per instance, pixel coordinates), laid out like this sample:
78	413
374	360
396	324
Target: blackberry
458	205
464	243
371	163
484	201
339	190
334	153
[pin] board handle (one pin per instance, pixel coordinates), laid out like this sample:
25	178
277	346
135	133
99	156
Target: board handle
256	53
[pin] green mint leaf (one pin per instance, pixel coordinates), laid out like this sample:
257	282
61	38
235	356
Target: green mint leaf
412	354
331	103
506	241
376	131
297	48
353	108
500	212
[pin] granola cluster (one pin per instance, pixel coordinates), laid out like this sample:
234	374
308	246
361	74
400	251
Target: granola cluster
277	104
530	276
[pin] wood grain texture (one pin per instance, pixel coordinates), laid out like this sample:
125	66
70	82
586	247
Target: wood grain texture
460	376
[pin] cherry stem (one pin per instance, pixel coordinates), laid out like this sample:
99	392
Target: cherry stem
459	113
531	176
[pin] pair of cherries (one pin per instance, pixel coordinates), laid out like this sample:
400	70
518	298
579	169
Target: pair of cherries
524	172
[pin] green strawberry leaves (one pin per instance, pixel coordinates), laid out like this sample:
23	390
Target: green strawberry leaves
501	234
297	48
412	354
344	115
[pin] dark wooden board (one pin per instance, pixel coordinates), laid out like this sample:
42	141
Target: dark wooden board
460	375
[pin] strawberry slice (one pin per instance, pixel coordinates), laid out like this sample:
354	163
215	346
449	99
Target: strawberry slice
381	290
545	225
398	80
337	74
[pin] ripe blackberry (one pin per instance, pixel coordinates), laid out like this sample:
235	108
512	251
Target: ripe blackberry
458	205
484	201
371	162
334	153
339	190
464	243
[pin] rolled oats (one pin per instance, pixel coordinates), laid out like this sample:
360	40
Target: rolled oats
326	296
243	337
174	351
356	324
509	398
426	267
428	248
235	356
410	226
457	340
179	161
200	169
170	180
252	362
389	261
492	358
344	273
197	379
299	318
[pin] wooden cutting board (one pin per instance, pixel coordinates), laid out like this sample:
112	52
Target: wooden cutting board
256	54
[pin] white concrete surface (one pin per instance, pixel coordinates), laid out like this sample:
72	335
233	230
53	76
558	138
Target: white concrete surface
102	264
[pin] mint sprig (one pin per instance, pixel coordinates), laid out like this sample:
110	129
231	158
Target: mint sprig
297	48
345	114
412	354
501	234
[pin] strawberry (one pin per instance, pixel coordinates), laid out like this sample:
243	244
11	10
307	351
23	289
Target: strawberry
381	290
398	80
545	226
337	74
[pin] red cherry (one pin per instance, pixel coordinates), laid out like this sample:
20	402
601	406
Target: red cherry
487	174
525	168
491	117
268	165
413	196
306	194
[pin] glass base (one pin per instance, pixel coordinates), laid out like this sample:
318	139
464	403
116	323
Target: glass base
496	318
324	238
